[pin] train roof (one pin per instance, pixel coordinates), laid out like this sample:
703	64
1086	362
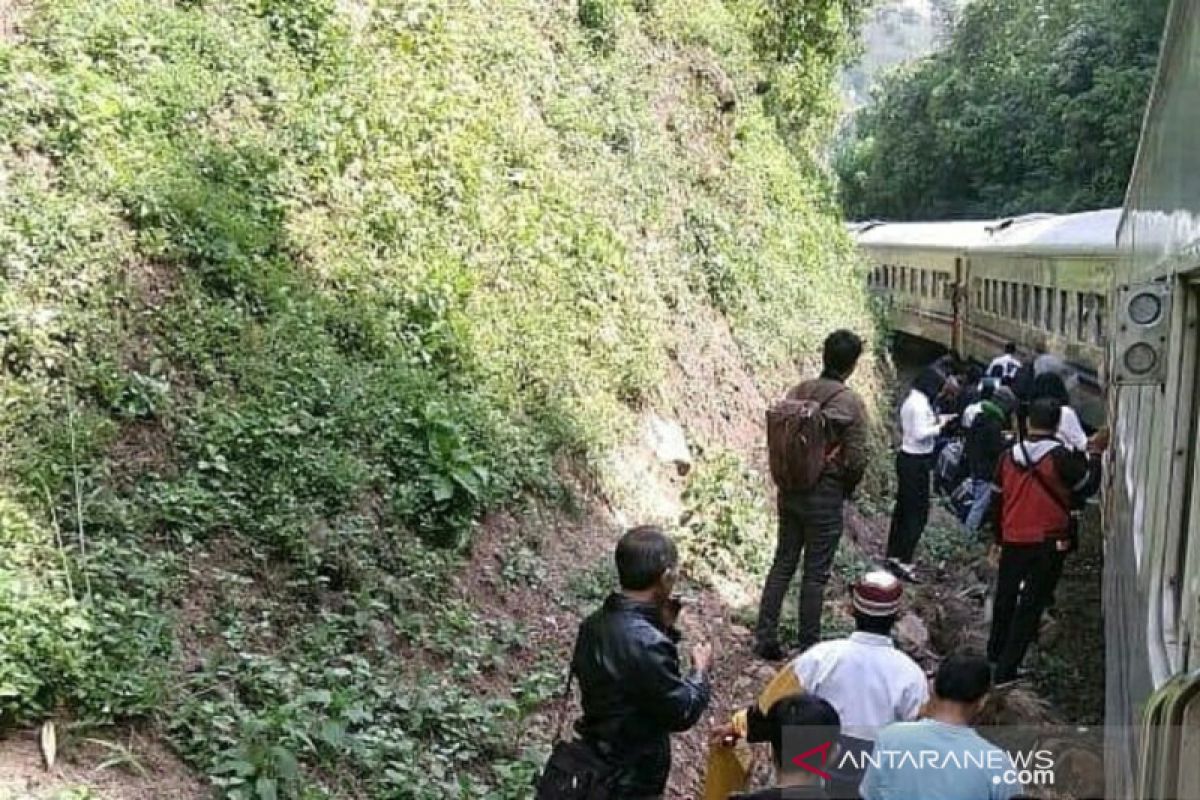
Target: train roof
1086	233
956	235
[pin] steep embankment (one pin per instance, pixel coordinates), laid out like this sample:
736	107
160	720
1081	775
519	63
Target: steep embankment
299	299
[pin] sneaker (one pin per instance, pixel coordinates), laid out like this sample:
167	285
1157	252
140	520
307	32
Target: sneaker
770	651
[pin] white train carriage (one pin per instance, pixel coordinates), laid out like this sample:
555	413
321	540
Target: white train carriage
1040	281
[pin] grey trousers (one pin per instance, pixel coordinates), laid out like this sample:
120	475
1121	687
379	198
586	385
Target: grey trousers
810	526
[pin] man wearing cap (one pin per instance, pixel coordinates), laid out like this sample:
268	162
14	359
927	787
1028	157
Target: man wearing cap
864	677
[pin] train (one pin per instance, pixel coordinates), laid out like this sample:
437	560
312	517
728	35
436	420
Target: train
1039	281
1116	294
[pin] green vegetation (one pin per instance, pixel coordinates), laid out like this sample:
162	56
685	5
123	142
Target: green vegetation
728	531
293	291
1034	105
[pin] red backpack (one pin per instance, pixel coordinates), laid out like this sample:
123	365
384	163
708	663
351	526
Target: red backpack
799	441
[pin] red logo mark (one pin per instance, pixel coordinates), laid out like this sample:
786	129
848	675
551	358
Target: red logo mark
823	749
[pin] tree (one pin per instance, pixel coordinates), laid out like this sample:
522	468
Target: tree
1034	105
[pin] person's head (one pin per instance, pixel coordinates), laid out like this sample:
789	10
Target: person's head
1010	348
1051	384
1044	415
962	684
973	374
800	722
875	599
1006	398
929	383
647	561
841	352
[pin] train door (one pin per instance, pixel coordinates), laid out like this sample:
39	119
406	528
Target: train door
959	306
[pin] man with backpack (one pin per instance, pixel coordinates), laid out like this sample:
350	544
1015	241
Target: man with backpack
985	444
1040	479
817	442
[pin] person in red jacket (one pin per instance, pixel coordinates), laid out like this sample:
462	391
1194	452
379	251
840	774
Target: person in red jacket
1039	479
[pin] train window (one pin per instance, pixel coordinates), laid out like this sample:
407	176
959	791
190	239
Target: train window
1004	298
1062	313
977	287
1081	316
1037	306
1025	303
1047	321
995	296
1098	319
924	283
947	287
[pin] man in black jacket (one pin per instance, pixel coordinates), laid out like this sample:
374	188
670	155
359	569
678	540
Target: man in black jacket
627	664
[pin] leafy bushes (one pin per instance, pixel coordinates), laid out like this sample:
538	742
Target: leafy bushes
44	633
727	532
312	286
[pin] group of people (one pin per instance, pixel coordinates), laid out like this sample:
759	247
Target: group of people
838	705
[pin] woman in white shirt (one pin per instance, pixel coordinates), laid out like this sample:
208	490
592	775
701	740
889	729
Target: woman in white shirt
919	430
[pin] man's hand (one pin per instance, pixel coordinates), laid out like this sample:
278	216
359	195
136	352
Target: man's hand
1099	441
723	735
702	655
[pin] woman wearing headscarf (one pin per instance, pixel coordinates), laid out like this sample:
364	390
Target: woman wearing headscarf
919	430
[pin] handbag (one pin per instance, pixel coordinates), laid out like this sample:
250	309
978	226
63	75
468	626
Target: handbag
575	770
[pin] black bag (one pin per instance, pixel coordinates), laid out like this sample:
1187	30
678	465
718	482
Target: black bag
575	770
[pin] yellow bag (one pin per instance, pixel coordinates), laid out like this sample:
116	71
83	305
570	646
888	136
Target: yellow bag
728	768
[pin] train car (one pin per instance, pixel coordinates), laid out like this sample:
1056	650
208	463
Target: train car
1040	281
919	270
1152	497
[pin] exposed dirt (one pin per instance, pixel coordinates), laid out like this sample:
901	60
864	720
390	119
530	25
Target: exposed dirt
117	765
710	388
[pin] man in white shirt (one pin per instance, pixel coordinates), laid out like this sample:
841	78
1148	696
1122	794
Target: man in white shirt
1008	364
864	677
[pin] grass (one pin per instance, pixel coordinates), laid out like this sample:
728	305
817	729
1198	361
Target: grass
322	283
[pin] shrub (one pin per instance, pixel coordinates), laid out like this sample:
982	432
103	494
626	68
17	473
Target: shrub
44	632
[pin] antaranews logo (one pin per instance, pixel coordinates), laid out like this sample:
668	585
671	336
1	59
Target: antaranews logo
821	750
1020	768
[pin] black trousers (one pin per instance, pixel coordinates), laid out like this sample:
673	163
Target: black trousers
912	505
810	525
1026	581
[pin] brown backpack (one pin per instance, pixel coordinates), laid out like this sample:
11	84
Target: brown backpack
799	441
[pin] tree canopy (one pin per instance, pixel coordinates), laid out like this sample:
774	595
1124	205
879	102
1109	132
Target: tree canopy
1034	105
